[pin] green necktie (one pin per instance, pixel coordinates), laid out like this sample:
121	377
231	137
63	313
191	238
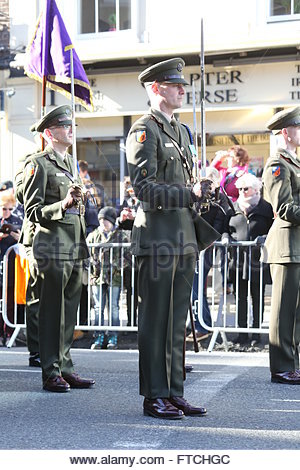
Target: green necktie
69	164
174	124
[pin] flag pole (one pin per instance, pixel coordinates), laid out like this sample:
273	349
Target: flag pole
195	167
202	105
43	106
74	148
44	55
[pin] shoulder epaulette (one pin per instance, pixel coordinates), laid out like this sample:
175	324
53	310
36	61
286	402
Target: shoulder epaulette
40	153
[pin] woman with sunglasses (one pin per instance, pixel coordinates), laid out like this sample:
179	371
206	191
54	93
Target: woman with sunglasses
251	220
231	164
7	239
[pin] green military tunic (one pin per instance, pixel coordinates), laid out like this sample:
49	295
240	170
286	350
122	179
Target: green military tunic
58	247
159	176
164	240
26	238
282	250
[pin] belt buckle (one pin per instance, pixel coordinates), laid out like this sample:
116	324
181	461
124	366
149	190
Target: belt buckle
81	209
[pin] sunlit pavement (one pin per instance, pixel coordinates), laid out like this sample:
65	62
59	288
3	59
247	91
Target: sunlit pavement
245	410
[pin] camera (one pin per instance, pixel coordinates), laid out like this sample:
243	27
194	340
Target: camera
7	228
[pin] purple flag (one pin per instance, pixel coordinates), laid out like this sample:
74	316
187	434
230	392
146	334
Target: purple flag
46	56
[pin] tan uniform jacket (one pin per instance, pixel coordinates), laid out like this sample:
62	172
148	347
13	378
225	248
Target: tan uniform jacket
281	180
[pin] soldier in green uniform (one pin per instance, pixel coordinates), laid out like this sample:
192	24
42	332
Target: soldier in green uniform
282	189
32	295
52	202
159	156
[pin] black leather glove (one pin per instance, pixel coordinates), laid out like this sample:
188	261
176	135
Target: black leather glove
225	239
206	189
260	240
73	197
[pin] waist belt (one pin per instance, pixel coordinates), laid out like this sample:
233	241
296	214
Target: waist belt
80	210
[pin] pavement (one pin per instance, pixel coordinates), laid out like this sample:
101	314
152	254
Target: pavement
245	410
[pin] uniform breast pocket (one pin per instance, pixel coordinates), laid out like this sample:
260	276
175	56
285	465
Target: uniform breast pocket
63	188
53	184
174	171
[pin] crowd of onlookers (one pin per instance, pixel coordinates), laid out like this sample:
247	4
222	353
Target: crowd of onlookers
11	218
238	212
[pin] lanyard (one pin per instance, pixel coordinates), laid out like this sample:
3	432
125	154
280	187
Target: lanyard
184	159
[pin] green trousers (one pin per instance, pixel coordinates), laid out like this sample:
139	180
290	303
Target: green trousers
60	285
164	289
284	334
32	305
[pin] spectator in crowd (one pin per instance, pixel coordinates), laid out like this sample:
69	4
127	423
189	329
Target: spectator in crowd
91	223
231	164
215	216
125	221
129	207
7	188
282	188
83	170
251	221
10	228
88	183
106	274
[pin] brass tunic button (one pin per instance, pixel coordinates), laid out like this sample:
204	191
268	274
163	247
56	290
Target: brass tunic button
171	158
159	208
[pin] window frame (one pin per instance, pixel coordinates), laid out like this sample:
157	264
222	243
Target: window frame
282	18
108	34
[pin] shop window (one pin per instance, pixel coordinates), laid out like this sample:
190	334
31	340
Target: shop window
285	9
103	157
100	16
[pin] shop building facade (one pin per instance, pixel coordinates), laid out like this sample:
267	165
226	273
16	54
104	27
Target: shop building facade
252	70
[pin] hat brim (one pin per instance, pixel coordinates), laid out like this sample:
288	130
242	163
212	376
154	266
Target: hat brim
276	131
180	81
42	127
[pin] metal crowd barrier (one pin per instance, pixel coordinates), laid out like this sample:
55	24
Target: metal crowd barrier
15	323
223	302
223	305
92	320
125	265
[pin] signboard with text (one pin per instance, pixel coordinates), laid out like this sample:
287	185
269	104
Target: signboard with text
275	84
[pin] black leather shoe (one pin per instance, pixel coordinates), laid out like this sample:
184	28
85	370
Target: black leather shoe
34	360
161	408
75	381
292	378
188	409
242	338
56	384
